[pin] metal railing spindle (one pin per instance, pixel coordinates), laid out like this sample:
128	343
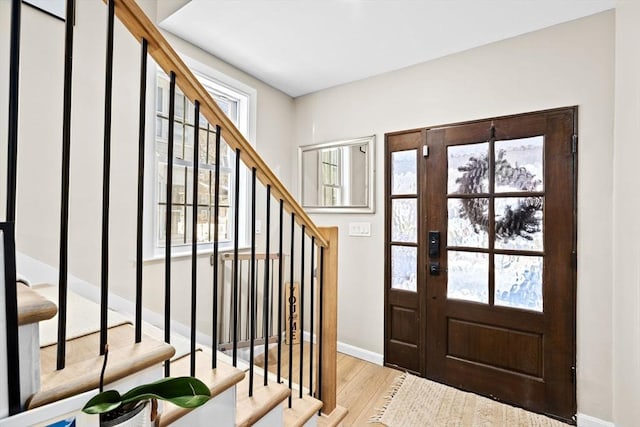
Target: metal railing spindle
236	240
252	281
265	296
301	310
194	233
140	212
280	287
106	181
168	212
14	94
291	306
216	234
64	188
7	231
311	313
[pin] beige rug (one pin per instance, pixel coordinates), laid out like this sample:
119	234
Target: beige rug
415	401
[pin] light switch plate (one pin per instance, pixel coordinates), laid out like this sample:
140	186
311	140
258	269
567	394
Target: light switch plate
360	229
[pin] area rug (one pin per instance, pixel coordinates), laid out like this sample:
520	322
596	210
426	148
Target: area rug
415	401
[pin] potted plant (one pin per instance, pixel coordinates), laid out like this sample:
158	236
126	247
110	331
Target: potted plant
138	406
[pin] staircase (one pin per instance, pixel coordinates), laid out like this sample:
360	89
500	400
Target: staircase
47	383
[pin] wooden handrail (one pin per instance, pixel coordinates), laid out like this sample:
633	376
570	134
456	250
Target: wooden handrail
137	22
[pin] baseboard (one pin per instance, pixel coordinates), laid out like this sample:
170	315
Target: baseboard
352	350
589	421
361	353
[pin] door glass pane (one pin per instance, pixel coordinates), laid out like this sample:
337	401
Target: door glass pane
404	224
468	221
519	164
468	168
519	281
519	223
468	276
404	263
404	176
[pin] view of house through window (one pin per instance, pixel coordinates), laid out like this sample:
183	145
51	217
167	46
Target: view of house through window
182	204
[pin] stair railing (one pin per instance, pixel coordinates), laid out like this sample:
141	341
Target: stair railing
320	265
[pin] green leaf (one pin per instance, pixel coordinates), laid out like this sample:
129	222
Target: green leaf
186	392
103	402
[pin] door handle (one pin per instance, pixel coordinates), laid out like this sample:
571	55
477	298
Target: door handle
434	245
434	268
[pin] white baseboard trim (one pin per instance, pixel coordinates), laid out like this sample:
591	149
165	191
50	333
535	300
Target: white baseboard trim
352	350
361	353
589	421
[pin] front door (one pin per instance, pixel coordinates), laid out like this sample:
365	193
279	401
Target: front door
495	259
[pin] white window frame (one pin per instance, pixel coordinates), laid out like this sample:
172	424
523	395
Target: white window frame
246	96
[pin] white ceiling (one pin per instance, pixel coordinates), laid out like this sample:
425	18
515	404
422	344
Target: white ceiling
302	46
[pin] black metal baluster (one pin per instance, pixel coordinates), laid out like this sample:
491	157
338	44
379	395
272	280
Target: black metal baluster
167	225
64	196
141	154
301	310
280	286
252	281
247	322
14	93
11	312
291	306
194	232
265	296
106	183
272	270
311	313
320	324
236	237
216	214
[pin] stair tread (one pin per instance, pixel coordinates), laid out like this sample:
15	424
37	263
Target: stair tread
220	379
83	364
33	307
334	418
251	409
301	411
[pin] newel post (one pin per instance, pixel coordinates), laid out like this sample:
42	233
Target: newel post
329	314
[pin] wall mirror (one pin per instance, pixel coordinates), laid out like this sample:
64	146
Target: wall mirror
338	176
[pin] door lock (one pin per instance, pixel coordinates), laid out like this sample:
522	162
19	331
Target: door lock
434	244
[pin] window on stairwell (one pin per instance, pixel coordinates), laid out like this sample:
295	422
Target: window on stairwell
330	179
235	104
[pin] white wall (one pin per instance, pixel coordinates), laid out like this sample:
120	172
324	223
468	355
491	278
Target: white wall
569	64
40	150
626	203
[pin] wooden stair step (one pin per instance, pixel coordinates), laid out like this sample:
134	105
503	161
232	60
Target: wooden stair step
83	363
220	379
334	419
301	411
251	409
33	307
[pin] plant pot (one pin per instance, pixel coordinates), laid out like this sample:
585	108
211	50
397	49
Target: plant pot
140	416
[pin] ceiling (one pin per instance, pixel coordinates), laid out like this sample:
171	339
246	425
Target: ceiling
302	46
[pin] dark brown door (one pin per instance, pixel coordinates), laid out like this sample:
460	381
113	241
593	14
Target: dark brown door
499	285
405	292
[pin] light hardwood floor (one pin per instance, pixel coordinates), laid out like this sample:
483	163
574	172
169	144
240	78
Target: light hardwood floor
361	385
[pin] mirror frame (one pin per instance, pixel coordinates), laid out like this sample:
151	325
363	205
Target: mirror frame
370	141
